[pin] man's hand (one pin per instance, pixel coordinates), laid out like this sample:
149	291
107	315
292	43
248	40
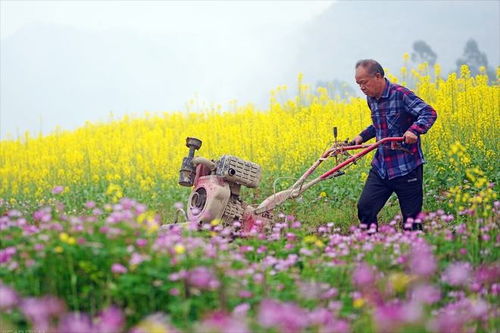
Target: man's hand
356	141
409	137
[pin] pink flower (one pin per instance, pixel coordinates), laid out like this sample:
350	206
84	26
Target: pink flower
202	278
426	294
136	259
326	322
454	316
222	322
241	310
245	294
457	274
40	311
174	292
118	268
8	298
75	323
363	275
422	261
288	317
7	254
58	189
90	204
487	274
110	320
388	317
43	215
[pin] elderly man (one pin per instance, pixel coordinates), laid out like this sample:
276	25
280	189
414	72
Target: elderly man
395	111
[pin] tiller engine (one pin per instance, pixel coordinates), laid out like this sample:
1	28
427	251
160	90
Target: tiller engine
216	187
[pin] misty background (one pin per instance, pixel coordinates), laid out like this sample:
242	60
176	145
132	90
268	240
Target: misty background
65	63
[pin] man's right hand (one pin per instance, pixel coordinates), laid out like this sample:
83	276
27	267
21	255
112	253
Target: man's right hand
356	141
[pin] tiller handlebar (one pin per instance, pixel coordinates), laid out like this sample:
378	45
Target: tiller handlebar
338	149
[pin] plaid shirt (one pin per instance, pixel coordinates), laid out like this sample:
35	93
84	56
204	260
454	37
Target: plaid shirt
397	110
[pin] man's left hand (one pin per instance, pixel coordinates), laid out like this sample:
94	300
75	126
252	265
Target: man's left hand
409	137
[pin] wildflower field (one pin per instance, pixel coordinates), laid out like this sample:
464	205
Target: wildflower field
86	245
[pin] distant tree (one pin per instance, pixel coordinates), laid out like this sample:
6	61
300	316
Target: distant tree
422	52
475	59
337	88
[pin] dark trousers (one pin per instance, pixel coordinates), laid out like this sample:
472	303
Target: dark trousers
377	191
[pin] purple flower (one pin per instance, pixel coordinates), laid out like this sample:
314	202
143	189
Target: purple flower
454	316
363	275
182	274
412	312
422	261
8	297
325	320
42	215
241	310
75	323
286	316
312	290
388	317
222	322
110	320
90	204
118	268
487	274
174	292
40	311
245	294
14	213
136	259
479	308
58	189
202	278
457	274
7	254
426	294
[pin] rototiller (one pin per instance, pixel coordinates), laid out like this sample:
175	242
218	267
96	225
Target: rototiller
217	183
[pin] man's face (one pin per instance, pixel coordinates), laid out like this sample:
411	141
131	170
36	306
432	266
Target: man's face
369	84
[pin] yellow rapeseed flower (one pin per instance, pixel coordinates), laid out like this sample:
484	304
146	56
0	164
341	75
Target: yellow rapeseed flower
179	248
63	236
145	152
400	281
310	239
358	302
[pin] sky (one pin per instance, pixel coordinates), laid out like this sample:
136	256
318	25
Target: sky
217	39
157	17
63	63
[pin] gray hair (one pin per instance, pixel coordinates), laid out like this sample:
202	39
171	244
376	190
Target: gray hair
372	66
